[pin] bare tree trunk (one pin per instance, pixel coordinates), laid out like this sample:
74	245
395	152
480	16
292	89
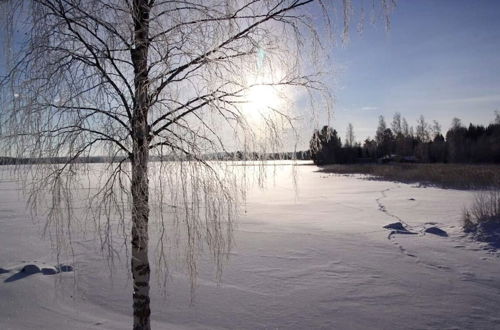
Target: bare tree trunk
140	238
140	153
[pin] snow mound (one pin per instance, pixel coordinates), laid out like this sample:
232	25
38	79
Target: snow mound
31	269
64	268
487	232
49	271
26	271
398	228
395	226
436	231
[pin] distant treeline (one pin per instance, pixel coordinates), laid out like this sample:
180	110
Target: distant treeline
238	155
223	156
403	143
54	160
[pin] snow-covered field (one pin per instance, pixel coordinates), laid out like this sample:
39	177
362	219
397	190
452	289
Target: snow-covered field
315	257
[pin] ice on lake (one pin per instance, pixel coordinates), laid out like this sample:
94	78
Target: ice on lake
310	253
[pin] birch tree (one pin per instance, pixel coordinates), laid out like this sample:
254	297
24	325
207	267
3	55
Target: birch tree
396	124
349	137
379	135
423	134
138	80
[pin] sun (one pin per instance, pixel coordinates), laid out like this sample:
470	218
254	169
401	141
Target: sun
261	101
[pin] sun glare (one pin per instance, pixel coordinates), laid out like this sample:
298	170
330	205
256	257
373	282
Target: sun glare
260	102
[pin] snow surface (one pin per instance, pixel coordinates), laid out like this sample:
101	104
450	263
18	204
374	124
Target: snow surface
314	257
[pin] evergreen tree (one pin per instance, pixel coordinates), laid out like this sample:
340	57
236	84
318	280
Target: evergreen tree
325	146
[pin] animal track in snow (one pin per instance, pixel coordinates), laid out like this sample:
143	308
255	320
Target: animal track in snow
402	228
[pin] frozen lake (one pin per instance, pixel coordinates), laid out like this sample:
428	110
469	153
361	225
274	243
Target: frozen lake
308	255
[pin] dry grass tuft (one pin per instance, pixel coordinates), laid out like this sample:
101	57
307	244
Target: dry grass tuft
484	209
482	219
456	176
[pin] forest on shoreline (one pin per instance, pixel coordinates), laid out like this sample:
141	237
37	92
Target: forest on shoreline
426	143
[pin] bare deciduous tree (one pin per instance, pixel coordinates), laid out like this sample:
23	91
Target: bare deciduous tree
350	139
405	130
423	134
436	129
379	135
497	117
139	80
396	124
456	123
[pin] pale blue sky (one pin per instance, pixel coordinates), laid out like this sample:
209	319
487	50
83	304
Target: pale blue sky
440	58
